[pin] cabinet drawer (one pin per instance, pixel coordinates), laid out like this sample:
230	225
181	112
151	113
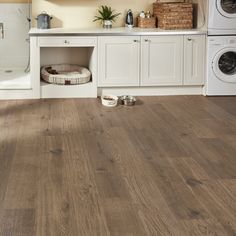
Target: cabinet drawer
67	41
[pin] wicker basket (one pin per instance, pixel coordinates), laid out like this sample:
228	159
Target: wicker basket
65	74
171	1
174	15
146	22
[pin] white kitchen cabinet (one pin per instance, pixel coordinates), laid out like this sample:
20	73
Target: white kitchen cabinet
145	65
118	61
194	59
162	60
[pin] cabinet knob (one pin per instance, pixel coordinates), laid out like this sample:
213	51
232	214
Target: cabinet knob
189	39
136	41
147	40
67	42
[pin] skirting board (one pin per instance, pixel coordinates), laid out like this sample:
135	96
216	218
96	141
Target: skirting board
147	91
18	94
154	91
88	90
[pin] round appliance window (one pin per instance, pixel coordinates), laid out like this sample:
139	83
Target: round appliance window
227	63
224	65
228	6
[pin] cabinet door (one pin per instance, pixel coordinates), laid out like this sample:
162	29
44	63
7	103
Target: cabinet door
194	60
118	61
162	60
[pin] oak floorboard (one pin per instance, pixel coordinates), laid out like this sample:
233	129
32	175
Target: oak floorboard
166	166
18	222
211	194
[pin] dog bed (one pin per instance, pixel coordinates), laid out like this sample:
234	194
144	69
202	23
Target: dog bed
65	74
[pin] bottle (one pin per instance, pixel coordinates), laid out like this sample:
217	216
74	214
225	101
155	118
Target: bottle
129	19
148	14
142	14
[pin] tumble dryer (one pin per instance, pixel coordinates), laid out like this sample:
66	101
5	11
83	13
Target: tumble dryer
221	17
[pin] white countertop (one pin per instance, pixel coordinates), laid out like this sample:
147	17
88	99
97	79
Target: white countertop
121	31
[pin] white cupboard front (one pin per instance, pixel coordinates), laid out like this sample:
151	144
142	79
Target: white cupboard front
162	60
118	61
194	59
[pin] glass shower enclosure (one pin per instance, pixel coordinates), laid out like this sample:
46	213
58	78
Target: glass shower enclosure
14	45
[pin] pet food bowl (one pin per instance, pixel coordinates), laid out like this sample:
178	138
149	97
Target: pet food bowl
128	100
109	100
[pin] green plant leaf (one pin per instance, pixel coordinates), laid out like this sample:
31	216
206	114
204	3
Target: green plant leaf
106	13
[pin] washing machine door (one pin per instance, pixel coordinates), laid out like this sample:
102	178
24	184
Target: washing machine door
227	8
224	65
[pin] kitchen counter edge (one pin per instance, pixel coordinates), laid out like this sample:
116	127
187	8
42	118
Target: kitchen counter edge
112	32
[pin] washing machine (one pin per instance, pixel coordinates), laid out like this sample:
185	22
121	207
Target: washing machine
221	75
221	17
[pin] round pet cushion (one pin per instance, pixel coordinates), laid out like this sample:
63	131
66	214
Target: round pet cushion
65	74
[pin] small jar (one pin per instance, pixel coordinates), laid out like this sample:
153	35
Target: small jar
148	14
142	14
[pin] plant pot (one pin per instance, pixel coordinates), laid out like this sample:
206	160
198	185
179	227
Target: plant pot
107	24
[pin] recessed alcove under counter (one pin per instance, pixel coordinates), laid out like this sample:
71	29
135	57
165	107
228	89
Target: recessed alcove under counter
80	51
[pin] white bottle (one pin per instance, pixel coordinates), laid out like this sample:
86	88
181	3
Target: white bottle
142	14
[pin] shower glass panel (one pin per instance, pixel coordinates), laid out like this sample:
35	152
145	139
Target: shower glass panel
14	45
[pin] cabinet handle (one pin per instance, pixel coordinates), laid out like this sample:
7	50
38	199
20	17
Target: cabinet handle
2	30
67	42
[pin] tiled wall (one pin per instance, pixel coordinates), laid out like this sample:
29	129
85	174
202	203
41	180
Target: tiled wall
14	48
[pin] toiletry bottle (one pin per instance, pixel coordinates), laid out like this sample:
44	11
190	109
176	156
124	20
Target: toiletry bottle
148	14
142	14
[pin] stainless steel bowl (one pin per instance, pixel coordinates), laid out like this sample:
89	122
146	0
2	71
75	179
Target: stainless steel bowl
128	100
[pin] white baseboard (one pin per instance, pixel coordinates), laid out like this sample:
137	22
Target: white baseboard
17	94
153	91
84	92
88	90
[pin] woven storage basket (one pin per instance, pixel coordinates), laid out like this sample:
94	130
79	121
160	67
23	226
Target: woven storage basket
174	15
171	1
147	22
65	74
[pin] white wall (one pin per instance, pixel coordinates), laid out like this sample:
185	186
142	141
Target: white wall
80	13
13	47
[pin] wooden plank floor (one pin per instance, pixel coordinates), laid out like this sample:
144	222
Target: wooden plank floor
164	167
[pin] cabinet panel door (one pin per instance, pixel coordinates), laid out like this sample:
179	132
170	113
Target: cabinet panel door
118	61
194	60
162	60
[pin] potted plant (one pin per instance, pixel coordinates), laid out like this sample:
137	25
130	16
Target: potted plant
106	16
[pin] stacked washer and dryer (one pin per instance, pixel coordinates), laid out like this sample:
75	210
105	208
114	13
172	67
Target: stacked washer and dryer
221	74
